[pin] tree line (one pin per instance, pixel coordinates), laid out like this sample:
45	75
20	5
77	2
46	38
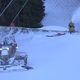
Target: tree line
30	16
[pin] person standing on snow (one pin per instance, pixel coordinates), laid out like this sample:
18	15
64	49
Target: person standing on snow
71	27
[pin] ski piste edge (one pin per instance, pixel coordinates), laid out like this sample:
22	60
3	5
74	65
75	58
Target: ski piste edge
45	30
14	70
23	68
61	33
57	34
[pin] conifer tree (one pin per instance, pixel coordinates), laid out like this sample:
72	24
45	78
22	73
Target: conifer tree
32	14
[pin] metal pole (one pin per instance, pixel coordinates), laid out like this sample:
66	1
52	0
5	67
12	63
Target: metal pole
19	11
6	7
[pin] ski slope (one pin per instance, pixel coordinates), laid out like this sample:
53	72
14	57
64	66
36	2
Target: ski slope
53	58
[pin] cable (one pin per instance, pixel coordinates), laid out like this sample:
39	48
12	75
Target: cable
20	11
6	7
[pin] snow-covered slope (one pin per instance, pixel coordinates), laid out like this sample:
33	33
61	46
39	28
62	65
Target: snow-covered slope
53	58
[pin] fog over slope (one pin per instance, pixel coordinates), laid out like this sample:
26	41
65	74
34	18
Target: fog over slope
60	12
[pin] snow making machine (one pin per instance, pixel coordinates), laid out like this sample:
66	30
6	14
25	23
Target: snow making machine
10	57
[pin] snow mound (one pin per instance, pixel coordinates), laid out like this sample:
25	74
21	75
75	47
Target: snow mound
54	28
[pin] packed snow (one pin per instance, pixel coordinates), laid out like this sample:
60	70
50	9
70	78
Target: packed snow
53	58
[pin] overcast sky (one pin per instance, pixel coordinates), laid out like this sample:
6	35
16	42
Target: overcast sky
60	10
